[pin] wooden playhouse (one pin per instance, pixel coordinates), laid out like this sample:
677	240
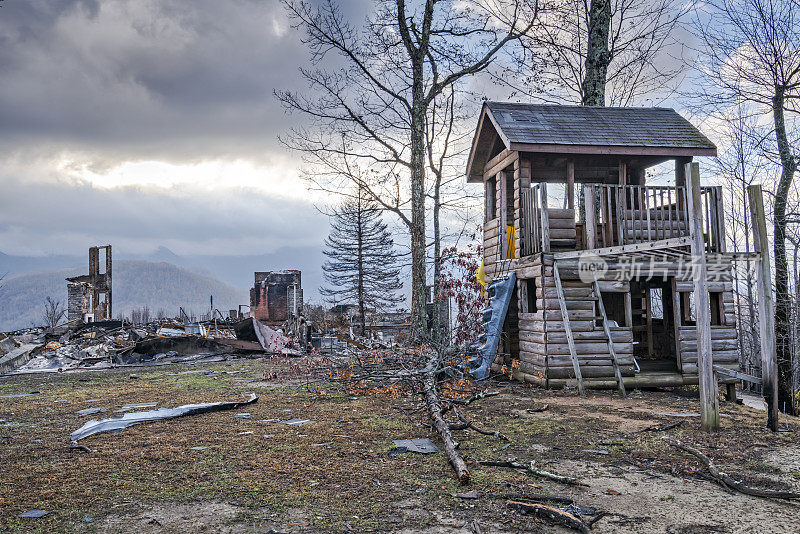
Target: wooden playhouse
603	260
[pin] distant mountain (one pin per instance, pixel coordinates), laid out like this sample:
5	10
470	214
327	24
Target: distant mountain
11	265
136	283
234	270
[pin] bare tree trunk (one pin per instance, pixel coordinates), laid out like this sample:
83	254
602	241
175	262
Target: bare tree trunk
597	55
361	311
437	259
419	318
782	305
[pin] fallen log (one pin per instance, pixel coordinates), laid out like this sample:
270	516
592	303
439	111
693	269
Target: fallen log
434	405
726	480
553	514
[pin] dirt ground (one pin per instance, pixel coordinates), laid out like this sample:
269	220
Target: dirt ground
217	472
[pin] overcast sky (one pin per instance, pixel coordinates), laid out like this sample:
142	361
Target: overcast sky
149	122
152	122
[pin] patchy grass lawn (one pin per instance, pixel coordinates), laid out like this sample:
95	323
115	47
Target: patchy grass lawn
336	475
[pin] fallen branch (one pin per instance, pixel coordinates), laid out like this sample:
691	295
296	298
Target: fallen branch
662	427
553	514
726	480
477	396
465	424
552	476
441	426
534	497
531	468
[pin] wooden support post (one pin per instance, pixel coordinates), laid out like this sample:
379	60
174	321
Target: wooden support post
680	180
545	219
766	306
730	392
623	173
677	321
591	222
501	183
648	319
628	309
709	404
570	184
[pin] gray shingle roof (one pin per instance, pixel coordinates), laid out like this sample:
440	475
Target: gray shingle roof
606	126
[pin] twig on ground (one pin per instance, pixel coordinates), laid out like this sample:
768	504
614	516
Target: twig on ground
534	497
662	427
465	424
726	480
531	468
596	518
477	396
538	408
554	514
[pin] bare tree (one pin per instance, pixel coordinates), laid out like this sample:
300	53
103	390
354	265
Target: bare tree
362	263
599	52
741	163
52	313
752	55
447	143
369	116
140	315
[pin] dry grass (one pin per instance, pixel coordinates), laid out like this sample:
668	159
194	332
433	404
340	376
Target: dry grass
334	474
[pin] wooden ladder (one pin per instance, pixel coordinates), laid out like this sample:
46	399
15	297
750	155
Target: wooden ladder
604	319
568	329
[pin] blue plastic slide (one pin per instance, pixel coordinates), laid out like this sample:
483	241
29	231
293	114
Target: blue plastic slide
500	292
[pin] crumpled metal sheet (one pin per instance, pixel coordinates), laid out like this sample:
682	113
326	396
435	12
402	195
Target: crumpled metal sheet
251	329
420	445
118	424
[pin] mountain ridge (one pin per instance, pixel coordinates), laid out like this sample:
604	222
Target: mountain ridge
136	283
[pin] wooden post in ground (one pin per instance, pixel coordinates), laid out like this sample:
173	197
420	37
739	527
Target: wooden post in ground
766	307
709	404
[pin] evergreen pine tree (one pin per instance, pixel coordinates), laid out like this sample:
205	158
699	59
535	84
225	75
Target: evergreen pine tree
362	266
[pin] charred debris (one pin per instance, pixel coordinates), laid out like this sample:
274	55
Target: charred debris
276	323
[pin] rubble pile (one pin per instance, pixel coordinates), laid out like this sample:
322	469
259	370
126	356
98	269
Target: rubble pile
111	343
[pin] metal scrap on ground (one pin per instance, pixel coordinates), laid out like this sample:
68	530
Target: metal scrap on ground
420	445
118	424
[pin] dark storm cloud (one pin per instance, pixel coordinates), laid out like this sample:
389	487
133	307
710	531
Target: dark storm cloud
91	85
169	79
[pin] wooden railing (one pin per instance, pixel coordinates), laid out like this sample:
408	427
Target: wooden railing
533	199
624	215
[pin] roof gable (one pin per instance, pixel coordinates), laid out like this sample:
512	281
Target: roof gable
586	130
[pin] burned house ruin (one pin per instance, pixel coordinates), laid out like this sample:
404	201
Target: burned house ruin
89	296
276	297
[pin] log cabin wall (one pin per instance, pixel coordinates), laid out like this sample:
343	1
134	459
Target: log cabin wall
724	337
